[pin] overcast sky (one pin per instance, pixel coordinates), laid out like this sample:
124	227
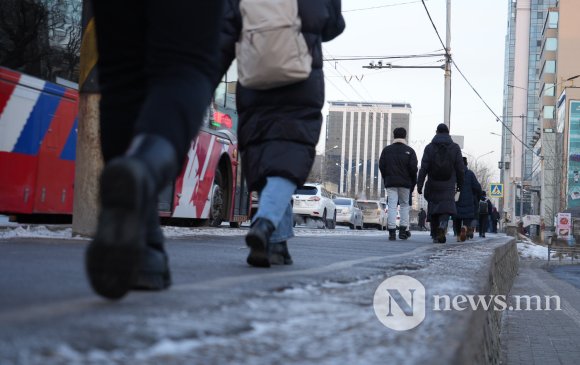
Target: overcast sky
402	27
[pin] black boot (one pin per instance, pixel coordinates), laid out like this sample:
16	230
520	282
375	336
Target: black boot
154	273
402	232
392	234
257	240
128	186
442	230
279	254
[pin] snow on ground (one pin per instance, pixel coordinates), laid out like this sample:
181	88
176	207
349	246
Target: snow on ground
529	250
8	231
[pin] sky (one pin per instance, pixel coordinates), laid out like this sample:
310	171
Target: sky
402	27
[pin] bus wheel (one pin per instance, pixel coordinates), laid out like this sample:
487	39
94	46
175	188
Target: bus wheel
216	213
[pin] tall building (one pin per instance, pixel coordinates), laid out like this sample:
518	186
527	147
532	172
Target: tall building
521	108
560	105
361	130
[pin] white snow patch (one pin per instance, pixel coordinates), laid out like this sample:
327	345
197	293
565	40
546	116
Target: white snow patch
528	249
27	231
37	232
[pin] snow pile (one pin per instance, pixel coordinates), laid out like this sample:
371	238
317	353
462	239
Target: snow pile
529	250
36	232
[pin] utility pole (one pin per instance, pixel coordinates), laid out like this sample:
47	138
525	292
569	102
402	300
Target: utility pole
447	95
89	161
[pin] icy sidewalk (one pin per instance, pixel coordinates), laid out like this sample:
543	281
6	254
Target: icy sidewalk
329	322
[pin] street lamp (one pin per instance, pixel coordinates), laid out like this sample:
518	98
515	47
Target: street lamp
347	171
323	162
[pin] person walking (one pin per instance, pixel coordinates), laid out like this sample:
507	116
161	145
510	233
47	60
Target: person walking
494	220
470	190
156	65
422	220
442	164
484	209
279	128
398	166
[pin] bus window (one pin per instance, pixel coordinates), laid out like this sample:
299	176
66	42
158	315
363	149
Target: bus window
225	115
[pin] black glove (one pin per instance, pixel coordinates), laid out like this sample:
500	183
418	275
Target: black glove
419	190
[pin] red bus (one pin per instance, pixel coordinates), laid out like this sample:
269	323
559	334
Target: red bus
38	134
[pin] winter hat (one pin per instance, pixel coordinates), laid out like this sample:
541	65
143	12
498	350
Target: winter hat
400	133
442	128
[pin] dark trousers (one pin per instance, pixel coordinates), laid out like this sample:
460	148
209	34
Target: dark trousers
439	221
157	64
494	226
459	222
482	224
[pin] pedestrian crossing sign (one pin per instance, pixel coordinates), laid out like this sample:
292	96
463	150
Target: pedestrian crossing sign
496	190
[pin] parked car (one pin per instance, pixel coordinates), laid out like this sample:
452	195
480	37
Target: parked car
373	214
313	201
348	213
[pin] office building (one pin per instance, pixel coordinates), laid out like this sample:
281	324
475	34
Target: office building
361	130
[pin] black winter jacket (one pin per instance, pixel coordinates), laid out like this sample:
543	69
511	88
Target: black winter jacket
470	191
398	165
441	194
278	129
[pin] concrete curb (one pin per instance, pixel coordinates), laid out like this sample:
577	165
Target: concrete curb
482	344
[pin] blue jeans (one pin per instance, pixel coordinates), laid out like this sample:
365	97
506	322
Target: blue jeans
274	205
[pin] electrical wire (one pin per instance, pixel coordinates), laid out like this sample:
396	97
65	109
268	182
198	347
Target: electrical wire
490	109
364	58
380	6
436	31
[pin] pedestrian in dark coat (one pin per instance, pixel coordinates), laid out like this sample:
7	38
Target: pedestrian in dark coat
398	166
279	128
470	190
441	194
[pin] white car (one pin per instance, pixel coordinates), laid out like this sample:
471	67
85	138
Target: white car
348	213
313	201
373	214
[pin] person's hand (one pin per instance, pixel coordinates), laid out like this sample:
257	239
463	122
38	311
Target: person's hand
419	190
458	189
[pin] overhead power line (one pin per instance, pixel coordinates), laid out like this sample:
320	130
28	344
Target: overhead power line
434	27
380	6
490	109
365	58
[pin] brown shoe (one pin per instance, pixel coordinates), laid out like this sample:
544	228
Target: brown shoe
463	234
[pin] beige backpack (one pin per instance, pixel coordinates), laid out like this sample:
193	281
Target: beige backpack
272	51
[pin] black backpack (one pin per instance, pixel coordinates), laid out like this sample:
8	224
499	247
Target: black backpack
483	207
441	167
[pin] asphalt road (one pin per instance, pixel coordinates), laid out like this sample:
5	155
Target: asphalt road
219	310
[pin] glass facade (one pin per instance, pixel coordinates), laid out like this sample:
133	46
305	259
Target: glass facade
538	14
41	38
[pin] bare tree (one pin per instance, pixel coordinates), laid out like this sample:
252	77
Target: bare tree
483	173
41	37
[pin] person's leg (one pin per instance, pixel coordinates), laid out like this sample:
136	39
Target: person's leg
156	68
274	214
279	254
404	212
392	200
484	225
443	222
